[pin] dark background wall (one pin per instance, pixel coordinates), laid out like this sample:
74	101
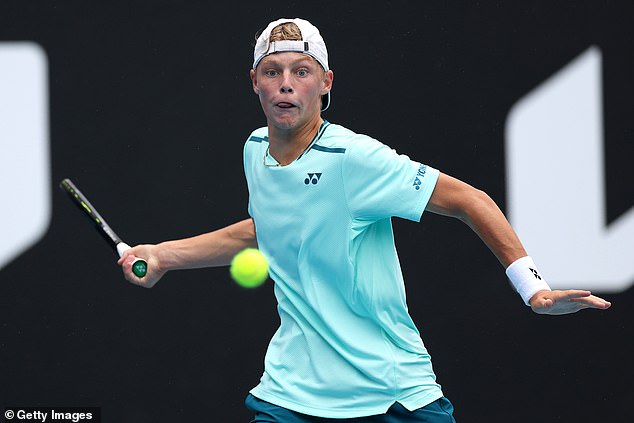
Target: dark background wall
150	103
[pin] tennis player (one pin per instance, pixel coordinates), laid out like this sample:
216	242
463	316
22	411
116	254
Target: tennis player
321	199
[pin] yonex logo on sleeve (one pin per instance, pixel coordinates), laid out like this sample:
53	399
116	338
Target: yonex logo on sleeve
313	178
422	169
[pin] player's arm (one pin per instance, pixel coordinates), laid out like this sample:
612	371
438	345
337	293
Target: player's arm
454	198
215	248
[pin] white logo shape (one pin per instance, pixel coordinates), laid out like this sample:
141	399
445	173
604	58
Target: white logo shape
556	182
25	210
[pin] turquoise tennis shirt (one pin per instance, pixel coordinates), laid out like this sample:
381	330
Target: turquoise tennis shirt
346	346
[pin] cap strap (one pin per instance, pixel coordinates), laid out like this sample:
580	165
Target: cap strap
288	45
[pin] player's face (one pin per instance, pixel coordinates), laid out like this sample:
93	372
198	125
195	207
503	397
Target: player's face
290	86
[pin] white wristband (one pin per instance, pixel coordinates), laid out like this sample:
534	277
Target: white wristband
525	278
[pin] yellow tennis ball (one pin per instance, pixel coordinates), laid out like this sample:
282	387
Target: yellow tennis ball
249	268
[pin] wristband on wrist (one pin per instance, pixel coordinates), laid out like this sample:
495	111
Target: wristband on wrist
525	278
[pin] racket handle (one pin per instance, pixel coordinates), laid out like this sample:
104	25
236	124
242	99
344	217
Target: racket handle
139	266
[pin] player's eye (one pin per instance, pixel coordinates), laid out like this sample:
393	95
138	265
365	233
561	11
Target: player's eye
271	73
302	72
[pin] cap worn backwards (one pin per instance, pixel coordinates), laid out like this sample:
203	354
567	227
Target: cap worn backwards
311	43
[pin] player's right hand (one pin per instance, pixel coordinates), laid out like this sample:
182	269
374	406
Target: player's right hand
149	253
565	302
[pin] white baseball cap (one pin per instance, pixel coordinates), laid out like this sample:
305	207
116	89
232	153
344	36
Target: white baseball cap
311	43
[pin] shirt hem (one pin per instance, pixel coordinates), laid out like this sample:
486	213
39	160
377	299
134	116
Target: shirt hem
411	403
417	401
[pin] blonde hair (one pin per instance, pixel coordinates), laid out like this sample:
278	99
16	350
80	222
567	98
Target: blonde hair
286	31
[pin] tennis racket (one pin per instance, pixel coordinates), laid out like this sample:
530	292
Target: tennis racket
139	267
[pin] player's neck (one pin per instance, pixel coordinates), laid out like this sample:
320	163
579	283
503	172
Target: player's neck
285	145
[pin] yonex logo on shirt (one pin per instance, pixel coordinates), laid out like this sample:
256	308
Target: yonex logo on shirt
312	178
422	169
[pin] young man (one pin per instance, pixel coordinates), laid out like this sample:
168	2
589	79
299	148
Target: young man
321	199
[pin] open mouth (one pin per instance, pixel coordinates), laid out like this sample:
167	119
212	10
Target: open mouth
284	105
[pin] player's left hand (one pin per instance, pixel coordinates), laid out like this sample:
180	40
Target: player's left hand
150	254
566	302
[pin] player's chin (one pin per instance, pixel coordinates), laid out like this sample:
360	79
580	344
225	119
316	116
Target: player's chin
284	125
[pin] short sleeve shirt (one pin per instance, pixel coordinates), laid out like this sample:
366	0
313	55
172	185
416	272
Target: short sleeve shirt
346	346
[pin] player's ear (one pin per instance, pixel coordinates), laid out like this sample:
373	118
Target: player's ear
254	81
328	78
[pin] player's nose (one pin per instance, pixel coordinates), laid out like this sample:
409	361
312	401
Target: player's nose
286	85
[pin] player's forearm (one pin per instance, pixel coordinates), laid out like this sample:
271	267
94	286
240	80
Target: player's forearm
486	219
215	248
452	197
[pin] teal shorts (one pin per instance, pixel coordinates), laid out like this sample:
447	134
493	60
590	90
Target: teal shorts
439	411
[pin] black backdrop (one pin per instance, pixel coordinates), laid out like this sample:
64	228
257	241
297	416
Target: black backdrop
150	103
